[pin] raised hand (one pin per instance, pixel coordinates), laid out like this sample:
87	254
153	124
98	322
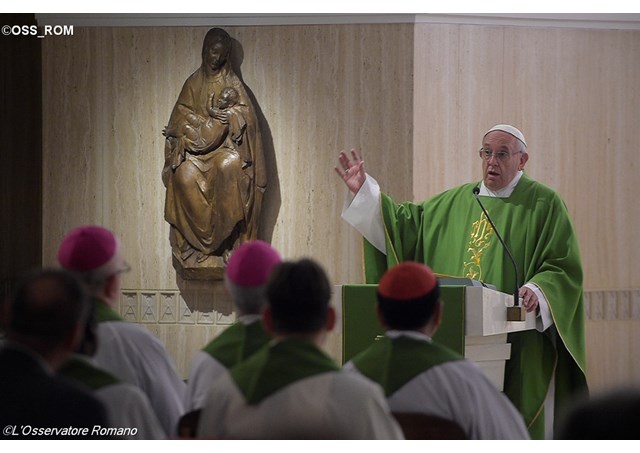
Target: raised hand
351	171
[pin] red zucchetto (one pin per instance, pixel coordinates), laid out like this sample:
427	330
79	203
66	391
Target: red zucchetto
407	280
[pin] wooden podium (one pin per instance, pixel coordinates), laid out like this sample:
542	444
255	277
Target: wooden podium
474	324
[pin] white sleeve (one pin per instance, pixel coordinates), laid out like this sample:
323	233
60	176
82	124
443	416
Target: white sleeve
136	355
128	407
213	420
204	370
362	211
543	319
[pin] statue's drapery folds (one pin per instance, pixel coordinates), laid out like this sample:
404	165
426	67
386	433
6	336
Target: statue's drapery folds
214	169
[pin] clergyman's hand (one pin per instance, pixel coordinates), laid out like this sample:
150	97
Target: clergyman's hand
529	299
351	171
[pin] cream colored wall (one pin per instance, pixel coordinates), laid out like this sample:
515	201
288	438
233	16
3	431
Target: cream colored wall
108	93
613	338
417	109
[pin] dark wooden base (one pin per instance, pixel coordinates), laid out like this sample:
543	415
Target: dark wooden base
212	268
516	313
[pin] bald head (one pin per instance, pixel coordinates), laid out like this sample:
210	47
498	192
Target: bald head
48	305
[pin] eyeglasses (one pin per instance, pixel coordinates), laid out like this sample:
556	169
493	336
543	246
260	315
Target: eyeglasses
502	156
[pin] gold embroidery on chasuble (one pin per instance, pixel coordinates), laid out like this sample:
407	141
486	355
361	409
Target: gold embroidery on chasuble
479	240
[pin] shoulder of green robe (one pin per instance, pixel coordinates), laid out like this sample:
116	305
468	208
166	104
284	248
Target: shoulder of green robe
237	342
464	190
277	365
527	184
84	372
394	362
105	313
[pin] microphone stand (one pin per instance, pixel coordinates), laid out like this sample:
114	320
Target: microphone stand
517	312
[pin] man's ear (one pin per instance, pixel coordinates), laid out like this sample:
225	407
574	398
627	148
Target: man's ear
524	157
267	320
438	311
110	287
436	318
331	319
75	337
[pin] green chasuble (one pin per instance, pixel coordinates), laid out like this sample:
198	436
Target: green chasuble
450	234
392	362
237	342
277	365
105	313
93	377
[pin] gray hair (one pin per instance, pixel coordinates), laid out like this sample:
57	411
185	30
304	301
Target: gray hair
249	300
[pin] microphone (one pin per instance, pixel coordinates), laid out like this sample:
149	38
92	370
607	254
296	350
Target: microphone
516	297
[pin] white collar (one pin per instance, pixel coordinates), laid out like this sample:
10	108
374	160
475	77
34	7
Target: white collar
408	333
249	319
505	191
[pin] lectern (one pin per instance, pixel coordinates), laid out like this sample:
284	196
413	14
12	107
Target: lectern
474	324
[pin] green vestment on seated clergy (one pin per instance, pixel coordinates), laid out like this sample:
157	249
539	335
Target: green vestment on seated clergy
90	375
104	312
277	365
237	342
393	362
450	234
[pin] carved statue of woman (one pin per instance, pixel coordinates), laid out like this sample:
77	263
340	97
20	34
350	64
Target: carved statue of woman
214	169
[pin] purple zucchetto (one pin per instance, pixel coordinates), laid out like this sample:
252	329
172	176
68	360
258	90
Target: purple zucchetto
91	248
251	263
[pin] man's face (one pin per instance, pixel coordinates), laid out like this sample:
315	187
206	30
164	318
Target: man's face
498	173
